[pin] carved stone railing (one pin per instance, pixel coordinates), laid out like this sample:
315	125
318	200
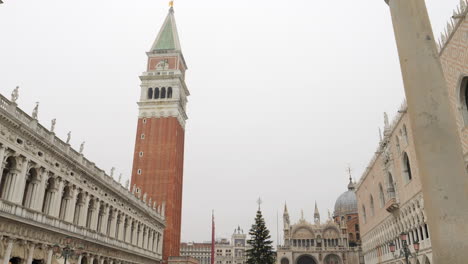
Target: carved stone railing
13	211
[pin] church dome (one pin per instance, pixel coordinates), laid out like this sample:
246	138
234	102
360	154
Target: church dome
347	202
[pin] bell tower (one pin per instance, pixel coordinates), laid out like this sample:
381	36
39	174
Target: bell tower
159	147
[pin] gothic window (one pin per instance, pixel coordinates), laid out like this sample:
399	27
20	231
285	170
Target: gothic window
29	189
464	100
150	93
397	142
391	186
163	92
405	134
381	196
372	205
49	191
407	168
169	92
156	93
7	177
364	216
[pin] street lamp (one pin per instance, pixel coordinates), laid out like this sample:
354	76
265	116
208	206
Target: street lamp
405	251
66	252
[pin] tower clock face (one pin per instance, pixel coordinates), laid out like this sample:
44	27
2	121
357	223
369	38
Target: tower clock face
162	63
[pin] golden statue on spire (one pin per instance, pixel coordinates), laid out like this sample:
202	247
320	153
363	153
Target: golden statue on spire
171	3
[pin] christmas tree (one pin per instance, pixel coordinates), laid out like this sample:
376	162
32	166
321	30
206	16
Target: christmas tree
261	249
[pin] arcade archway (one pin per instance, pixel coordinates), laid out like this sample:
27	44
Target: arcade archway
306	259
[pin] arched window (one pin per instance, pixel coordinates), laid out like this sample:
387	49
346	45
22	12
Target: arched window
405	134
163	92
7	178
381	196
49	192
169	92
364	215
118	223
100	216
397	143
91	208
464	99
407	174
109	221
150	93
372	205
30	188
156	93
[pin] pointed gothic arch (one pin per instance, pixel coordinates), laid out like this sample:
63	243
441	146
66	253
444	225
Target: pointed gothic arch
407	173
381	196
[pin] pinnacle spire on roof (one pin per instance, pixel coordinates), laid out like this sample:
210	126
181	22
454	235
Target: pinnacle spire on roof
285	208
168	37
316	211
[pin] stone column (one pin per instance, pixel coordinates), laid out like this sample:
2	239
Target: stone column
57	201
71	205
105	218
435	133
129	230
39	197
2	156
49	256
84	210
80	257
95	215
7	255
135	235
30	254
112	230
91	259
19	181
149	246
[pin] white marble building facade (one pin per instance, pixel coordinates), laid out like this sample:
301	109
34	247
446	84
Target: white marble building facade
49	191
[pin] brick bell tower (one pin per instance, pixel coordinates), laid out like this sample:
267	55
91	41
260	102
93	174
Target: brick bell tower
159	148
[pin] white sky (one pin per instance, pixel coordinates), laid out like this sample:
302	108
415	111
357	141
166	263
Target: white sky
285	94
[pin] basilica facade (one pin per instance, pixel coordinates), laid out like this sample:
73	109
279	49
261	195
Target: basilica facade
314	242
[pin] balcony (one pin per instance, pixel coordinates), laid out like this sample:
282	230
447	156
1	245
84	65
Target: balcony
392	204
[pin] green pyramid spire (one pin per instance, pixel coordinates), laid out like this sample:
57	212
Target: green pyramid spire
168	38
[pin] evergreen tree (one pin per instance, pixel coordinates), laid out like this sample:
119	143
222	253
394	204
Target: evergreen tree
261	249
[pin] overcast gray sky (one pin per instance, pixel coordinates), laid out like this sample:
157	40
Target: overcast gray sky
285	94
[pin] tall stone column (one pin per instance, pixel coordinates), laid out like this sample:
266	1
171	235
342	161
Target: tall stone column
30	254
113	223
105	218
437	143
128	234
57	201
7	255
49	256
80	257
71	205
84	210
39	197
19	182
